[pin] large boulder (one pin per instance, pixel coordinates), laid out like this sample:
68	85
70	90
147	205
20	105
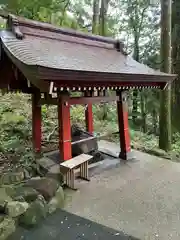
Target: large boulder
4	199
34	214
15	208
27	194
56	202
51	168
2	216
45	186
12	177
7	227
54	172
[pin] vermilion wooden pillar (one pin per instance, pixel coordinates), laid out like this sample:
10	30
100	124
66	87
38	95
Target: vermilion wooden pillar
122	110
89	115
36	121
64	127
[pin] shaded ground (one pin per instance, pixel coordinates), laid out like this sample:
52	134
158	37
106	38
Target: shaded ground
67	226
142	197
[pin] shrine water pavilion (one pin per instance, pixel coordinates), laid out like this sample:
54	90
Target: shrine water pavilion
50	63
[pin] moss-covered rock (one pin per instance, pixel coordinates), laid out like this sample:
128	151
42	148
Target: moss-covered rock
22	192
19	199
54	172
35	213
7	227
15	208
2	216
4	199
10	189
57	201
45	186
11	177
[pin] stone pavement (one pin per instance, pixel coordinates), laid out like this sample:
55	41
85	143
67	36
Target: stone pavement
66	226
141	198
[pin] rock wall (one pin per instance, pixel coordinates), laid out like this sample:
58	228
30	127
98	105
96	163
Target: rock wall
28	203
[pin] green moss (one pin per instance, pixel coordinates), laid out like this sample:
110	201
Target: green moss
35	213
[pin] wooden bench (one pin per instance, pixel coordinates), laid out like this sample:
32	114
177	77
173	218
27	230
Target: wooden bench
68	167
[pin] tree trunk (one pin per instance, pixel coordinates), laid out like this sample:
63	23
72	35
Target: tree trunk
154	121
103	21
136	57
95	23
176	64
103	16
143	113
165	95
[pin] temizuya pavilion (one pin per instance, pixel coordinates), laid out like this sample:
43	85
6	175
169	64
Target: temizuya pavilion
41	59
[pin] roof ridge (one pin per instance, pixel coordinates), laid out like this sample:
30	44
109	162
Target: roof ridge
119	46
14	23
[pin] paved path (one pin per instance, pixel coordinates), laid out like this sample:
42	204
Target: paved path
66	226
141	198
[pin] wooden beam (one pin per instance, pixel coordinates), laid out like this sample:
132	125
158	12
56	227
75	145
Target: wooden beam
79	100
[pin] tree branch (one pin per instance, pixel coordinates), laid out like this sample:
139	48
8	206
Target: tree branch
142	17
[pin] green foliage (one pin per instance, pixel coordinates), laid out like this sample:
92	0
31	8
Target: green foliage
78	115
110	109
14	128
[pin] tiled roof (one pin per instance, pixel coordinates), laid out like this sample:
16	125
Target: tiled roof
44	50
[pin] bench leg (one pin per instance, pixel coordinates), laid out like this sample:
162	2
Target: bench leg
70	179
84	171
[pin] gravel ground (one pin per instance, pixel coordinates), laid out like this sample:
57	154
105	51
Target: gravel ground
141	198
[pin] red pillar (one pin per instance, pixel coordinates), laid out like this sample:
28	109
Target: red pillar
89	118
64	128
122	109
89	115
36	121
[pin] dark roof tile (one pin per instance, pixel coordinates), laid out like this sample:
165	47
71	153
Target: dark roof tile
51	47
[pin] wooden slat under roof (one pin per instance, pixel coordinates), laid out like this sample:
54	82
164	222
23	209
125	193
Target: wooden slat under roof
44	53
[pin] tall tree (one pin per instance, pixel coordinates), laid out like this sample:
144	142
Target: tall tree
176	64
103	32
103	17
95	21
137	10
165	95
